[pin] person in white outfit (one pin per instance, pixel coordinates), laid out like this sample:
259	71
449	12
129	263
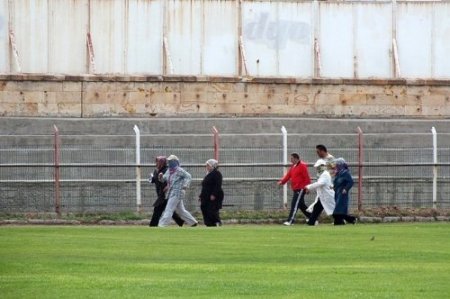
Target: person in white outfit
178	180
325	193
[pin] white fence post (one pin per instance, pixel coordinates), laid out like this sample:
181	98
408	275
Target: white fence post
284	131
435	168
138	169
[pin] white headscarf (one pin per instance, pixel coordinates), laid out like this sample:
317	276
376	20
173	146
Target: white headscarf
213	163
321	166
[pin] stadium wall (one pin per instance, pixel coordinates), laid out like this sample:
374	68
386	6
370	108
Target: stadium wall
144	96
275	38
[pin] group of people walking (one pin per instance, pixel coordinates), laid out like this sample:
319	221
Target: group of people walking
332	195
171	182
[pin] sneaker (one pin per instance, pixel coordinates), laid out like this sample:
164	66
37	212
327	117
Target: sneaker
287	223
195	224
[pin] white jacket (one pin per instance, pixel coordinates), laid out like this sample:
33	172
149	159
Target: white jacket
324	189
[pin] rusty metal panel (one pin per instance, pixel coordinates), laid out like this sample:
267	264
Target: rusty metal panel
30	25
259	26
4	39
278	38
145	31
107	25
220	44
336	39
373	38
295	39
184	35
414	38
68	26
441	42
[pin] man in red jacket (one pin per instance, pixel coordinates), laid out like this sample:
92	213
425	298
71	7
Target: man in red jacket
299	177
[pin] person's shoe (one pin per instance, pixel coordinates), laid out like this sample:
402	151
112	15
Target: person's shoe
287	223
194	225
316	223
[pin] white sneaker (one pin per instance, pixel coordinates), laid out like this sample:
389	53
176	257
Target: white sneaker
316	223
287	223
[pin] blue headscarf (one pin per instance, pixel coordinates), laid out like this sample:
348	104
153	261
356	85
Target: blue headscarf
340	166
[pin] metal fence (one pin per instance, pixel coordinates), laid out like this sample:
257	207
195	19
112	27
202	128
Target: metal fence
109	173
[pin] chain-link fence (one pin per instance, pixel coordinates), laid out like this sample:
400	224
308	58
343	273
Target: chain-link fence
99	173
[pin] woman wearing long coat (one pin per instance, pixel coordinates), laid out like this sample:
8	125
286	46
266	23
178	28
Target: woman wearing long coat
161	201
211	196
343	182
178	180
325	194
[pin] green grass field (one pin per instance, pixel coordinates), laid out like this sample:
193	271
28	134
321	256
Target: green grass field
402	261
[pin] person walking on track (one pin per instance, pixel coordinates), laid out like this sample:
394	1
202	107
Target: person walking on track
211	196
178	180
161	201
299	176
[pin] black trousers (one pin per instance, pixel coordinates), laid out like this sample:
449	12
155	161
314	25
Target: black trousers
157	213
318	208
339	219
298	203
210	210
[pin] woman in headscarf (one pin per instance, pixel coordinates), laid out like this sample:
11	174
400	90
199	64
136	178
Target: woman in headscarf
211	196
325	194
343	182
161	201
178	180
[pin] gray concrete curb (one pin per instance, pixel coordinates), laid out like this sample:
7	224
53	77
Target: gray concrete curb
144	222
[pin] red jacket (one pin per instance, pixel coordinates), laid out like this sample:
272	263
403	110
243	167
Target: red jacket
299	176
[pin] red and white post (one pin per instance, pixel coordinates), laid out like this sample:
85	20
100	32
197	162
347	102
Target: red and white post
216	142
360	167
56	155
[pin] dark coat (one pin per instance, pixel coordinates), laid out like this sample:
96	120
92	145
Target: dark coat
212	185
342	181
161	197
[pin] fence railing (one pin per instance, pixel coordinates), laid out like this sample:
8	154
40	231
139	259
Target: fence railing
63	173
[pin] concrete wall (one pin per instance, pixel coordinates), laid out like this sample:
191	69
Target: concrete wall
106	96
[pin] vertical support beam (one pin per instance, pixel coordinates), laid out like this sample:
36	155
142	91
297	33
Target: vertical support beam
317	65
397	73
396	63
355	40
126	38
56	155
138	169
360	167
15	52
88	30
433	40
435	167
316	35
244	69
285	155
90	47
168	65
216	143
164	33
239	33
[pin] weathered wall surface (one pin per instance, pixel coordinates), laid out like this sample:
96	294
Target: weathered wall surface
280	38
98	96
